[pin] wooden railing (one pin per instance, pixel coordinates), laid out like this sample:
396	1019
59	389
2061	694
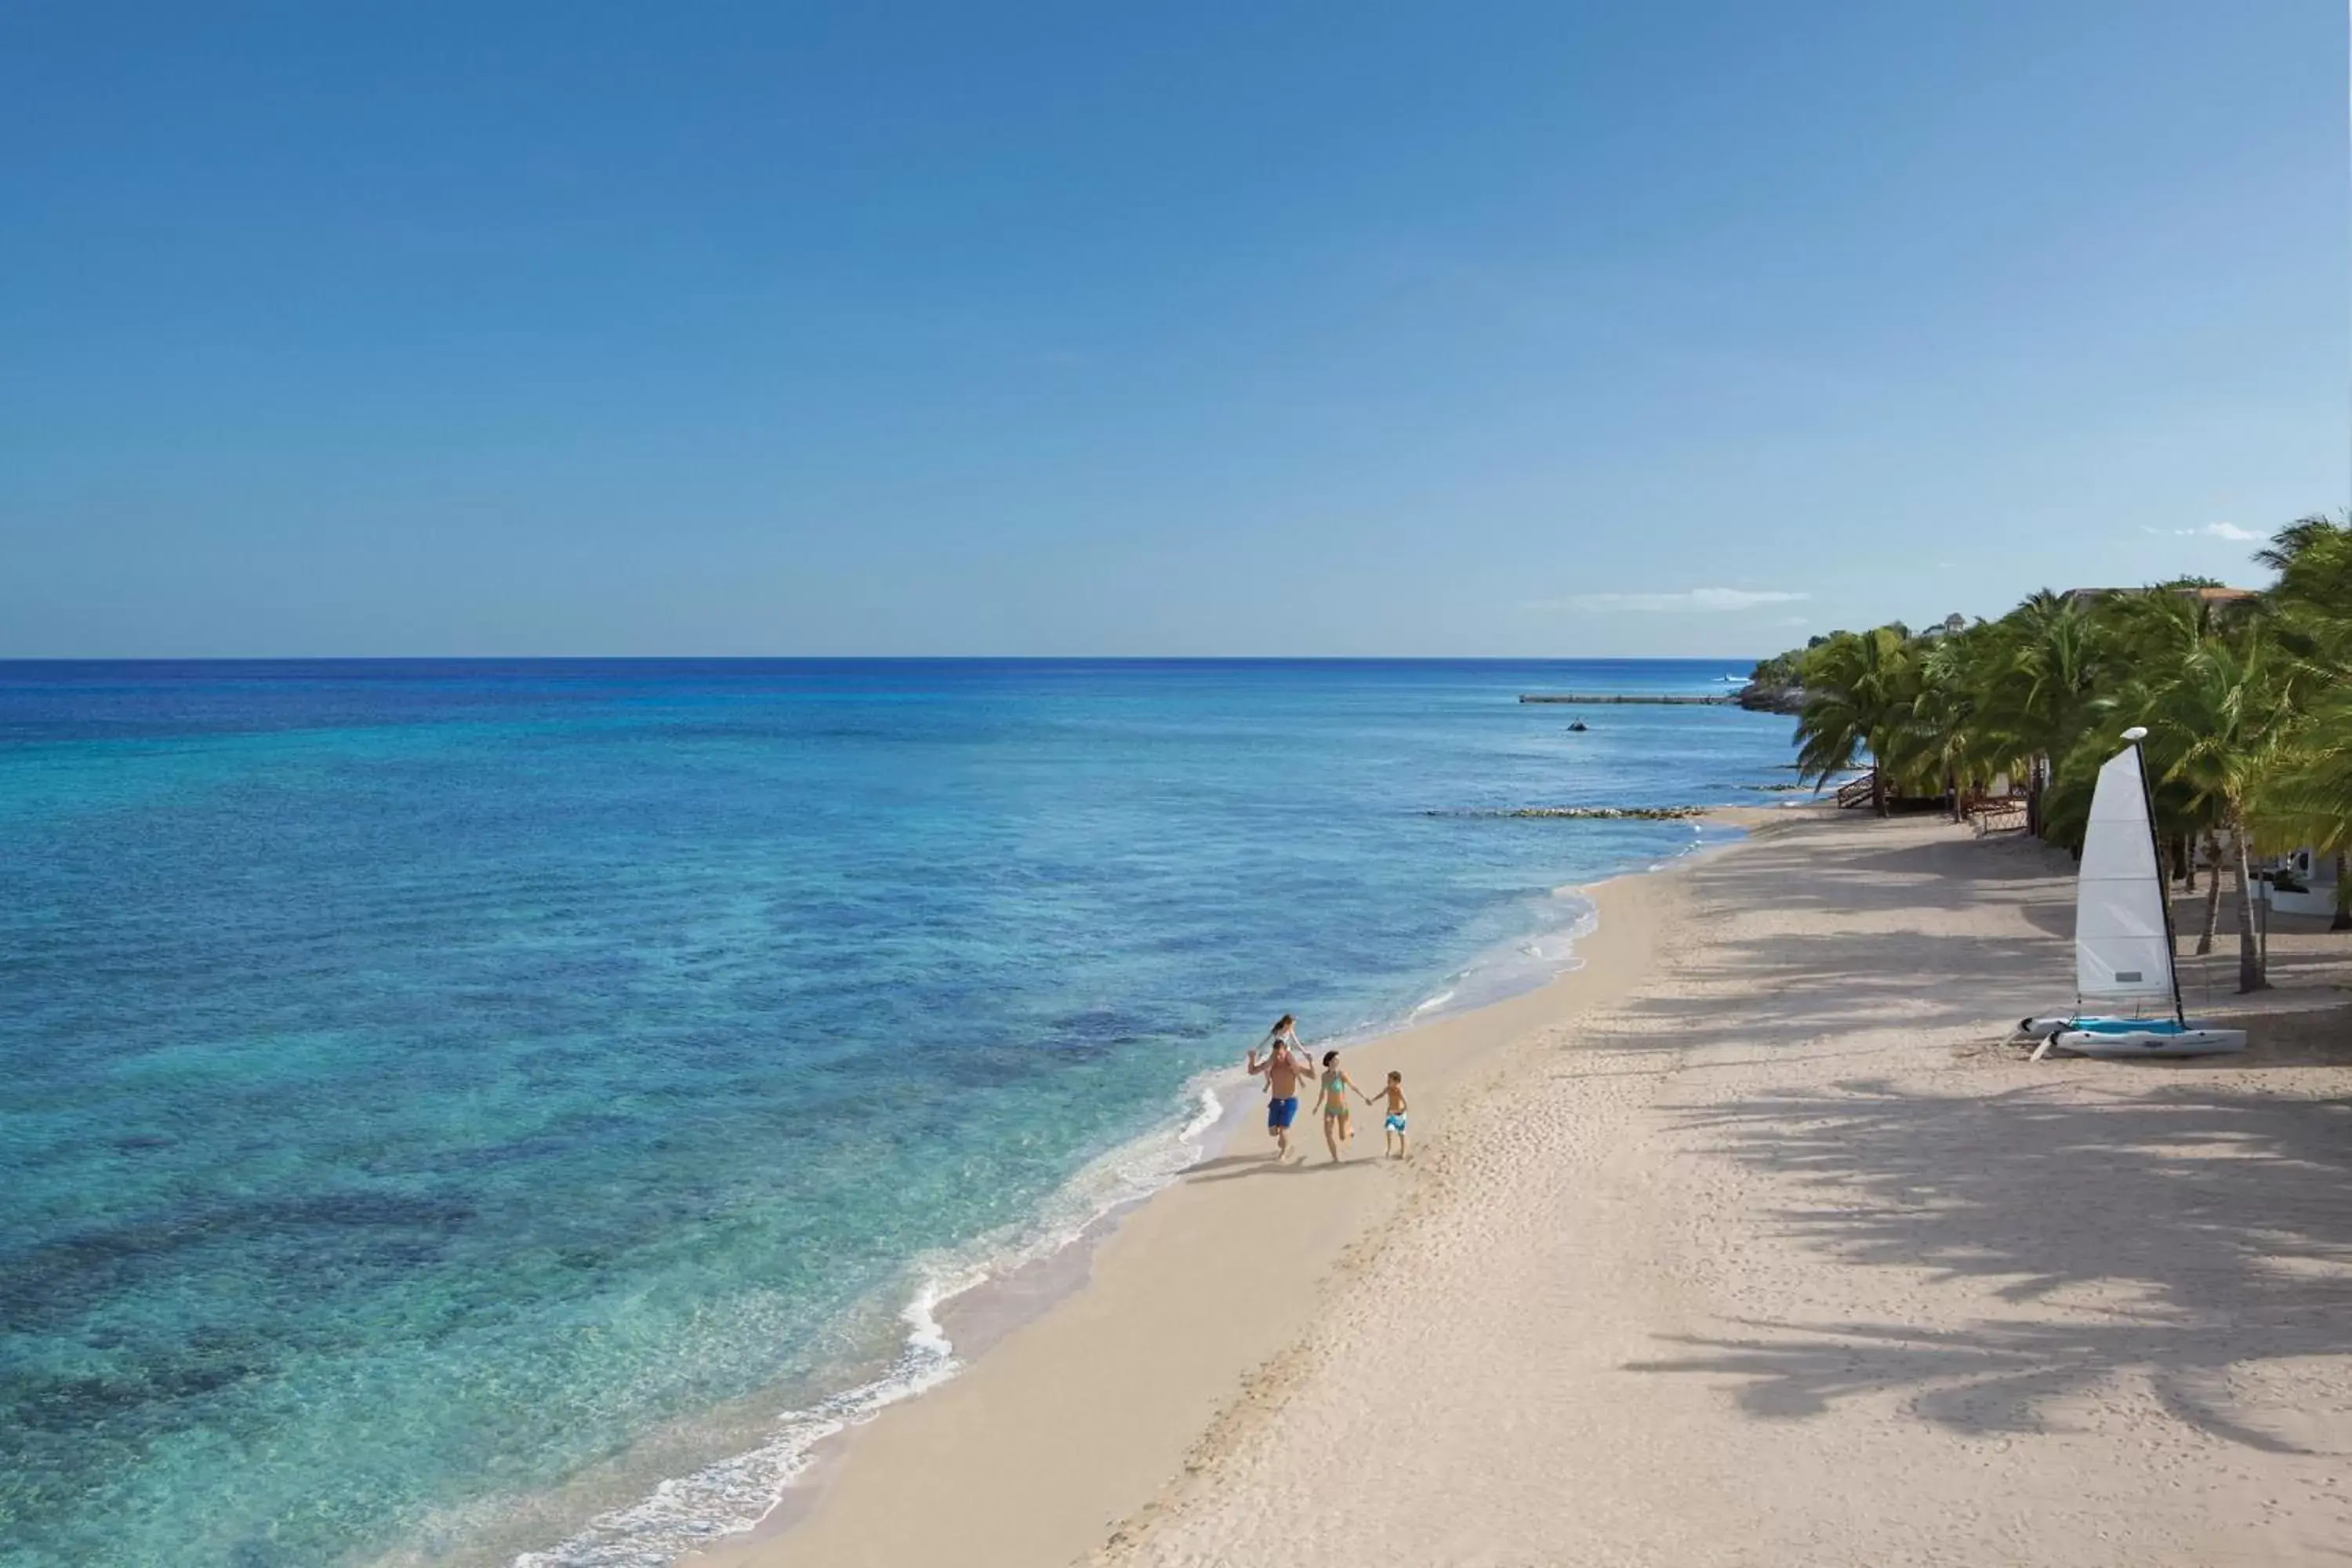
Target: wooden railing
1995	813
1858	792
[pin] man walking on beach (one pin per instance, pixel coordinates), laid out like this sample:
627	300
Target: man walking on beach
1281	1070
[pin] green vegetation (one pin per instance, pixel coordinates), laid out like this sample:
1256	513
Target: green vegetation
2247	700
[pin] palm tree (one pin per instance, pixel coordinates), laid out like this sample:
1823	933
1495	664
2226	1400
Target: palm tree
1948	744
2309	796
2222	714
2313	556
1861	687
2037	684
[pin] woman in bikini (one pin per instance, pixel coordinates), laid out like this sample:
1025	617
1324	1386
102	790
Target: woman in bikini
1337	1126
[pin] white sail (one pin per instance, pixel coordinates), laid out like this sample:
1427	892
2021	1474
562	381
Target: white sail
2122	949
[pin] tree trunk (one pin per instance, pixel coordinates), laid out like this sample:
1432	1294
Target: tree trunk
2343	920
2189	861
1877	787
2250	957
2212	893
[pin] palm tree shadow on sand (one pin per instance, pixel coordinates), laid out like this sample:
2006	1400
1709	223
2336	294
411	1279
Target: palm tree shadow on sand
2184	1237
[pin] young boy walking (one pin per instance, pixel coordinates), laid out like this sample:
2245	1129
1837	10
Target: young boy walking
1392	1128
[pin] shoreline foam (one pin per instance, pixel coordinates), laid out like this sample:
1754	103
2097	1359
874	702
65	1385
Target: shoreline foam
735	1495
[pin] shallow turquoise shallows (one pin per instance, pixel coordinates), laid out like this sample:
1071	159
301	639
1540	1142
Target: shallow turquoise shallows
438	1101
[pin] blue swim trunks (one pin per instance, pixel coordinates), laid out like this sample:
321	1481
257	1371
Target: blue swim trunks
1396	1123
1280	1113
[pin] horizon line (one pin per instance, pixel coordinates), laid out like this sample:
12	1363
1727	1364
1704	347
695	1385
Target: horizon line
867	659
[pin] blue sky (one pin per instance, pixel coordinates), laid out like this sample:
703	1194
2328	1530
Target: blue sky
1339	329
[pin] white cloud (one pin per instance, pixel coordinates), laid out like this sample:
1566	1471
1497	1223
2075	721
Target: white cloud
2228	531
1702	600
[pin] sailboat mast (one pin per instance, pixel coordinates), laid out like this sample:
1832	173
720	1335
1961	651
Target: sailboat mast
2163	887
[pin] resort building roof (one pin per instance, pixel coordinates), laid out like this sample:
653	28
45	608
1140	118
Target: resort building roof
2208	593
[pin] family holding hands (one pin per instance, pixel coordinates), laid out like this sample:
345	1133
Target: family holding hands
1286	1062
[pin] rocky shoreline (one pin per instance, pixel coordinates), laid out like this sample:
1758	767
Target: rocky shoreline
1591	812
1759	697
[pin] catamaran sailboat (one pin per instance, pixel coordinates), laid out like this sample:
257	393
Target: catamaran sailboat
2123	936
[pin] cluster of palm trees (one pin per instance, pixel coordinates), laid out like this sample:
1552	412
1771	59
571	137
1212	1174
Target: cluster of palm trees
2247	700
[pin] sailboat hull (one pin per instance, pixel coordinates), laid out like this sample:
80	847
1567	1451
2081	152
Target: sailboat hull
2049	1025
2114	1038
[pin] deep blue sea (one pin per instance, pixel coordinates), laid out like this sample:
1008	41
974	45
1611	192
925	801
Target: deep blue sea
440	1101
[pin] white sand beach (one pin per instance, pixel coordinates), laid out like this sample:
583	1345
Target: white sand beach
1745	1244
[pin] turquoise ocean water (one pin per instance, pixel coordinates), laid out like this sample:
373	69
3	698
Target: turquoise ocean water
440	1103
